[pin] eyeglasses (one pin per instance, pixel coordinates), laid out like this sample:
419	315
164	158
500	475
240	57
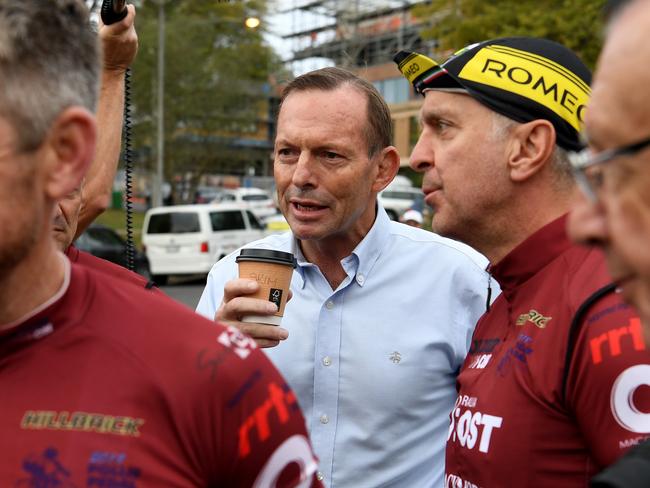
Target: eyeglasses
590	182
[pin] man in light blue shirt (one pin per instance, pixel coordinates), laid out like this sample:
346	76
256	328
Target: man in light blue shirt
382	313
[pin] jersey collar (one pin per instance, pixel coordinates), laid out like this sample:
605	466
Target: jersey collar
529	257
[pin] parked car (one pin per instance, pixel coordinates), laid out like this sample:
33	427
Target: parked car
105	243
256	200
189	239
397	199
206	194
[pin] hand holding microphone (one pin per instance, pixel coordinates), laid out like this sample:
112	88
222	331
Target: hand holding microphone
118	35
113	11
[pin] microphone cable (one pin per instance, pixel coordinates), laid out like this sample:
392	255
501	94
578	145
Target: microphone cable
113	11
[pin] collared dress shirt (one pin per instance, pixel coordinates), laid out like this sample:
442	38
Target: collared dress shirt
374	362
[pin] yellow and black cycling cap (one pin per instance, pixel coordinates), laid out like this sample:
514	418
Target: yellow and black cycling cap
523	78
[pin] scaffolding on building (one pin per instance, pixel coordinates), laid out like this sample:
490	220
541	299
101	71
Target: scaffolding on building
354	33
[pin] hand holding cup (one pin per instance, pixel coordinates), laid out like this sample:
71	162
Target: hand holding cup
238	301
255	302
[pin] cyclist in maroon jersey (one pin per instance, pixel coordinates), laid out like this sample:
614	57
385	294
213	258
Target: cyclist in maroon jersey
105	384
548	394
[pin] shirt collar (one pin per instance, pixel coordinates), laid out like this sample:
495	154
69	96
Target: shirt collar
529	257
369	249
363	257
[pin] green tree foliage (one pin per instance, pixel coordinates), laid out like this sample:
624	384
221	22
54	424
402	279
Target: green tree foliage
216	83
577	24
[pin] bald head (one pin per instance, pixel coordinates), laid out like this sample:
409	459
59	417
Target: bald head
621	86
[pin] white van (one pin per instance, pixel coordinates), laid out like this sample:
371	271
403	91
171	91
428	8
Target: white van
189	239
258	201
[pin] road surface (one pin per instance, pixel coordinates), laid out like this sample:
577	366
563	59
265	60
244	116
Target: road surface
186	290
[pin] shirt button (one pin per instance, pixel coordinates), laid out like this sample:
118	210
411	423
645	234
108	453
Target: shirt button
329	305
327	361
360	279
324	419
320	476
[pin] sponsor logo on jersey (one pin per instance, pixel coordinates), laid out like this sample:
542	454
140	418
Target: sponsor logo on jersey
294	450
471	428
210	359
466	401
482	351
455	481
607	311
280	400
239	343
480	361
535	318
45	469
81	422
630	409
613	342
634	441
233	341
109	469
519	352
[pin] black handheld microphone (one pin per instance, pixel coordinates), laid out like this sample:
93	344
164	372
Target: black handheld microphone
113	11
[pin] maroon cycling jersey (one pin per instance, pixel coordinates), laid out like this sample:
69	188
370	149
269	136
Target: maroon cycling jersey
86	259
113	386
516	422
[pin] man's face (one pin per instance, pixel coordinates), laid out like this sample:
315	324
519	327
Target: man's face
464	165
325	181
617	115
20	213
66	217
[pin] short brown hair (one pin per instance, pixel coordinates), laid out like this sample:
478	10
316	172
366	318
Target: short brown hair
379	127
49	61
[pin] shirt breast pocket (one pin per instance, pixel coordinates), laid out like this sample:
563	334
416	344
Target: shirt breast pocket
399	367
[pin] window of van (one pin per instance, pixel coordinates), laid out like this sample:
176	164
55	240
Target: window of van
232	220
255	223
174	223
255	197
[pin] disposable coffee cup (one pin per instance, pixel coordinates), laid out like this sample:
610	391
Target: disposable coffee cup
272	270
